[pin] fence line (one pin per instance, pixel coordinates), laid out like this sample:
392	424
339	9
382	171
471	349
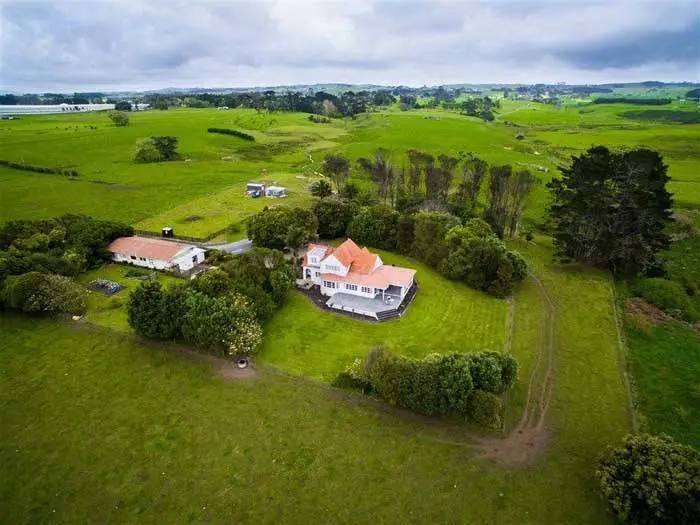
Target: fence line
207	238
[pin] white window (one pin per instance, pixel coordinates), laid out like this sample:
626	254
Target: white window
352	287
317	273
329	284
332	268
313	260
366	289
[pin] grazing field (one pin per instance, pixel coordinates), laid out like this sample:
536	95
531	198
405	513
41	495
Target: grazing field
666	368
444	317
111	186
167	441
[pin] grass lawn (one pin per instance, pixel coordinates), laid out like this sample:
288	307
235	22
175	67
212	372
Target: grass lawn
444	317
97	427
110	311
666	367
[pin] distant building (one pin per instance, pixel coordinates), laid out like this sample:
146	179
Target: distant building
276	191
255	189
156	253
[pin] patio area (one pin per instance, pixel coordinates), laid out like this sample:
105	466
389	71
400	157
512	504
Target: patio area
364	305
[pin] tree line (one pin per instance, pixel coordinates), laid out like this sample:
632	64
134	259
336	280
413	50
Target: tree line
38	257
447	183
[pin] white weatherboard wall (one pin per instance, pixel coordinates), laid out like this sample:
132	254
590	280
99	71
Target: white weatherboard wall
184	260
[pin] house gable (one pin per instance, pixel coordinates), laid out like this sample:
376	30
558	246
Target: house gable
331	264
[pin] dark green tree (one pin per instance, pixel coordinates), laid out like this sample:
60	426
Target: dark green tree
429	232
334	216
651	480
336	168
612	210
375	226
270	228
321	188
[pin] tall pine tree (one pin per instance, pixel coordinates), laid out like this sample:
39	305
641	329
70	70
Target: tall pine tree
611	209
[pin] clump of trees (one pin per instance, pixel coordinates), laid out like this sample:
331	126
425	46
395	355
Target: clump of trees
468	385
66	245
234	132
156	149
119	118
479	258
222	310
282	227
651	480
612	210
43	293
38	257
482	107
37	169
122	105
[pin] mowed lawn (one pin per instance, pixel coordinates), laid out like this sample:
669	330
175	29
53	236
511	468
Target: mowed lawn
666	368
99	428
445	316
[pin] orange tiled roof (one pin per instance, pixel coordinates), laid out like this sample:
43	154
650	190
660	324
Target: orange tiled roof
147	247
382	277
347	252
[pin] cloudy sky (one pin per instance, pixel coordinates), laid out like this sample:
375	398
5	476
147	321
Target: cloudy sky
144	44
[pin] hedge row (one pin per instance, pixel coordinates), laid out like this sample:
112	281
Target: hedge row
37	169
235	133
463	384
635	101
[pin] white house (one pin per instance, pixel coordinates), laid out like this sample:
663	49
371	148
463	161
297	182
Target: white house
356	279
156	253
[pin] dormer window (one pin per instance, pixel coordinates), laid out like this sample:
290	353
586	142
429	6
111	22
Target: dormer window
313	260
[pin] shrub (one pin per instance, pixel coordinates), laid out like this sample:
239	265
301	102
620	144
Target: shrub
669	296
122	105
485	409
146	152
353	377
321	188
651	480
156	149
36	292
235	133
118	117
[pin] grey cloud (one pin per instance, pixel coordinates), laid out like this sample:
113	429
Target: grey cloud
50	46
637	49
